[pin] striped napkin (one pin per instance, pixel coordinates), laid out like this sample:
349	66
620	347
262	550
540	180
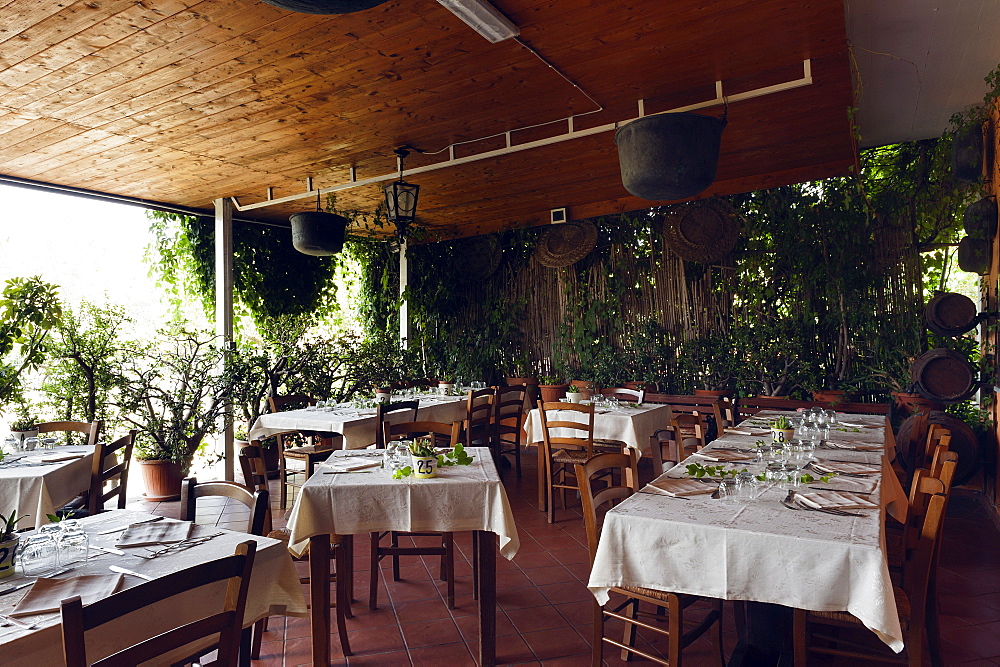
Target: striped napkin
841	500
160	532
669	486
856	448
46	594
857	484
845	468
723	456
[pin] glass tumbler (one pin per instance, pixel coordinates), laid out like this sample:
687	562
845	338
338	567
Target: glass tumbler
40	553
746	486
727	490
74	545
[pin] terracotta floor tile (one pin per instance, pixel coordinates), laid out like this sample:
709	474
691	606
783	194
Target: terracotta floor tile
983	640
556	574
520	598
447	654
421	610
430	633
511	650
550	644
374	640
390	658
536	618
469	625
574	591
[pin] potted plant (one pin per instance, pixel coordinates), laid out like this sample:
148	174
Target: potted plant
573	394
782	430
8	542
23	426
710	361
173	394
425	460
584	387
551	388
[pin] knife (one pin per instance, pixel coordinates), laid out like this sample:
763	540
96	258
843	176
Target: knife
117	552
121	528
122	570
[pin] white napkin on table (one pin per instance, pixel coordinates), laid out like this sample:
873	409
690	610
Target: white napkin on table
54	458
46	594
846	468
159	532
349	464
852	484
739	431
669	486
721	456
842	500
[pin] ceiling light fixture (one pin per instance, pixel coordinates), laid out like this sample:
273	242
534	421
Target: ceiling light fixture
484	18
401	198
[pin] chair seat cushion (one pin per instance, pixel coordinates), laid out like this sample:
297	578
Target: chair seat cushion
609	446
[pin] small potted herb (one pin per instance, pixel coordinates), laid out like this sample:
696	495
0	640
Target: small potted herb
425	460
782	429
551	388
8	542
24	425
573	394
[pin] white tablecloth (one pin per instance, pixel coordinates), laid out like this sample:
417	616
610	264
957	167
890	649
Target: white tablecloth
758	551
274	590
460	498
631	425
357	426
38	490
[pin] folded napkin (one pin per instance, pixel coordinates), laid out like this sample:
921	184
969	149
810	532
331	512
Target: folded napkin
309	449
54	458
740	431
723	456
160	532
852	425
669	486
349	464
846	468
46	594
841	500
858	484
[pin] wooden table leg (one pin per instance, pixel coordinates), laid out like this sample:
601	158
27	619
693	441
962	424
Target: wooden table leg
541	471
319	597
487	551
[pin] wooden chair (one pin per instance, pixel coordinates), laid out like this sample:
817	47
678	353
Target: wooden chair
508	406
317	451
623	394
478	427
911	603
110	467
562	452
724	413
406	409
689	430
255	501
226	624
663	447
443	434
254	470
675	605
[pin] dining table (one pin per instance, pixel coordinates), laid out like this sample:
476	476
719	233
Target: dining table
274	590
765	549
340	501
356	424
39	482
630	423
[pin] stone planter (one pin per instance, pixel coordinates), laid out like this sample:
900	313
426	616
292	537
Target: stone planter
162	480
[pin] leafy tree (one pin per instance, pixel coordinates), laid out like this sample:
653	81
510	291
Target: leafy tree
29	310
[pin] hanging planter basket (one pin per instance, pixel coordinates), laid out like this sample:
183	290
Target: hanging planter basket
967	154
974	255
317	233
669	156
980	220
324	6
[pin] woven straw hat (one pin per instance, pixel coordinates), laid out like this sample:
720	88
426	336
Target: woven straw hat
703	231
565	244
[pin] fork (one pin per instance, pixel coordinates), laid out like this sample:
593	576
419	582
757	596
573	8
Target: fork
180	546
789	502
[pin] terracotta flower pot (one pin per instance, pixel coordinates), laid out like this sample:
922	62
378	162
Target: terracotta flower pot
586	388
552	392
162	480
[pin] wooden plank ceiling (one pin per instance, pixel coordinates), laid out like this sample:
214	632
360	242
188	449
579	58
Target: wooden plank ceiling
185	101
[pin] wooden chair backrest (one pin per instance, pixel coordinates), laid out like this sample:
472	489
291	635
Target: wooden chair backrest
256	502
583	430
625	394
479	414
443	433
724	412
664	437
508	406
937	436
926	485
918	568
90	429
255	476
110	466
690	431
227	624
278	403
610	494
407	408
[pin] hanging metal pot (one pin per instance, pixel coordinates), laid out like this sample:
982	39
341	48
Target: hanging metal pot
980	219
324	6
974	255
317	233
669	156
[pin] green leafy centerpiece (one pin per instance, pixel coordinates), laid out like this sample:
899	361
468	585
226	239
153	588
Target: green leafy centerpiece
425	458
782	429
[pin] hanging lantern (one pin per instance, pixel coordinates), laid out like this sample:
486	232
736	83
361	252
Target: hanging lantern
401	198
318	233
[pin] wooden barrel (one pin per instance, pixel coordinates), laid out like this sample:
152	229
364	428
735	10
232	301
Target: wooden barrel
980	220
910	444
950	314
944	375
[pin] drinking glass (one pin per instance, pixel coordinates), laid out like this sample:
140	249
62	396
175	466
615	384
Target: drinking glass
74	544
746	486
30	444
40	552
727	490
10	445
831	417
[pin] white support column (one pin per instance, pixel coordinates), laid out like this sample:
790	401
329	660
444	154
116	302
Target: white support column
404	307
224	309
